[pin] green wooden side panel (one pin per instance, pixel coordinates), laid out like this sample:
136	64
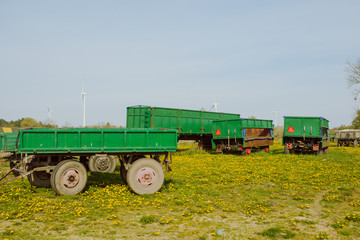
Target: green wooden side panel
223	129
186	122
308	127
8	142
96	140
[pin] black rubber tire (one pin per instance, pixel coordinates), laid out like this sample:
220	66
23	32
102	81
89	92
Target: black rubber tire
75	175
145	169
12	164
102	164
40	179
123	173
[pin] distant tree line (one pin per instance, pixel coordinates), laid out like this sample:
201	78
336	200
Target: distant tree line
30	122
25	123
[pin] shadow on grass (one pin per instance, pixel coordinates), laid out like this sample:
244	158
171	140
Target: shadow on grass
104	179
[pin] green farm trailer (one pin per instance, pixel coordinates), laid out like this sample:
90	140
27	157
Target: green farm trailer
348	137
8	148
306	134
58	158
243	135
190	124
7	144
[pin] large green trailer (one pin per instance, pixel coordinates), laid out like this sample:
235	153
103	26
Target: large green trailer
243	135
306	134
190	124
58	157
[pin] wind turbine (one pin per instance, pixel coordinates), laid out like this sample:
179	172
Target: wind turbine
214	106
49	114
275	113
83	95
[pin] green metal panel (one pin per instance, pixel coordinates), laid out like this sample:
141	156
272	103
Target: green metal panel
224	129
308	127
52	141
1	142
8	142
348	134
187	122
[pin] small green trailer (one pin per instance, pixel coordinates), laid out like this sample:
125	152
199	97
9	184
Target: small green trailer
190	124
8	148
58	158
7	144
306	134
347	137
243	135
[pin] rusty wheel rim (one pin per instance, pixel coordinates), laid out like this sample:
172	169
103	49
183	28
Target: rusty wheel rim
70	178
146	177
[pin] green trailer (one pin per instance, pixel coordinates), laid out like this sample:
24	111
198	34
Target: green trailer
8	142
347	137
58	158
8	148
243	135
306	134
190	124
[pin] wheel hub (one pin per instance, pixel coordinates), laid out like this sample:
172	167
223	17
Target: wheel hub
146	176
71	178
102	163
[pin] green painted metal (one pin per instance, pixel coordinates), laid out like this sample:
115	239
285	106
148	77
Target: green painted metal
236	128
86	140
348	134
186	122
306	127
8	142
241	134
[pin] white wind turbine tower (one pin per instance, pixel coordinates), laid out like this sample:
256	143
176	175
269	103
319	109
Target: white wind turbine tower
215	106
275	114
49	114
83	95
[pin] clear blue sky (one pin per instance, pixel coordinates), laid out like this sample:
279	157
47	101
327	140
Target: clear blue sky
252	57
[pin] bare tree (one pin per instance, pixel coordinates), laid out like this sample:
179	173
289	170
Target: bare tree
354	77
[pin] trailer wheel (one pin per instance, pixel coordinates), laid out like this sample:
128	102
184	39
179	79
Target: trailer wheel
320	152
327	150
266	149
102	164
145	176
355	143
12	165
286	150
69	178
123	173
40	179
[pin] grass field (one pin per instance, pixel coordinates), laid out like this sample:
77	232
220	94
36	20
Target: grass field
206	196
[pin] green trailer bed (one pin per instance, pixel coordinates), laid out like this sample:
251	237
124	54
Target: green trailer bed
306	134
101	141
190	124
8	142
61	158
347	137
8	147
243	135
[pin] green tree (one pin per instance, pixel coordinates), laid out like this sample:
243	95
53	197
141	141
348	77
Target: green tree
354	77
356	121
29	122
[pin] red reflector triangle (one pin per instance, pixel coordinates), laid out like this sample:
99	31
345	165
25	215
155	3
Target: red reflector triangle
290	129
218	132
